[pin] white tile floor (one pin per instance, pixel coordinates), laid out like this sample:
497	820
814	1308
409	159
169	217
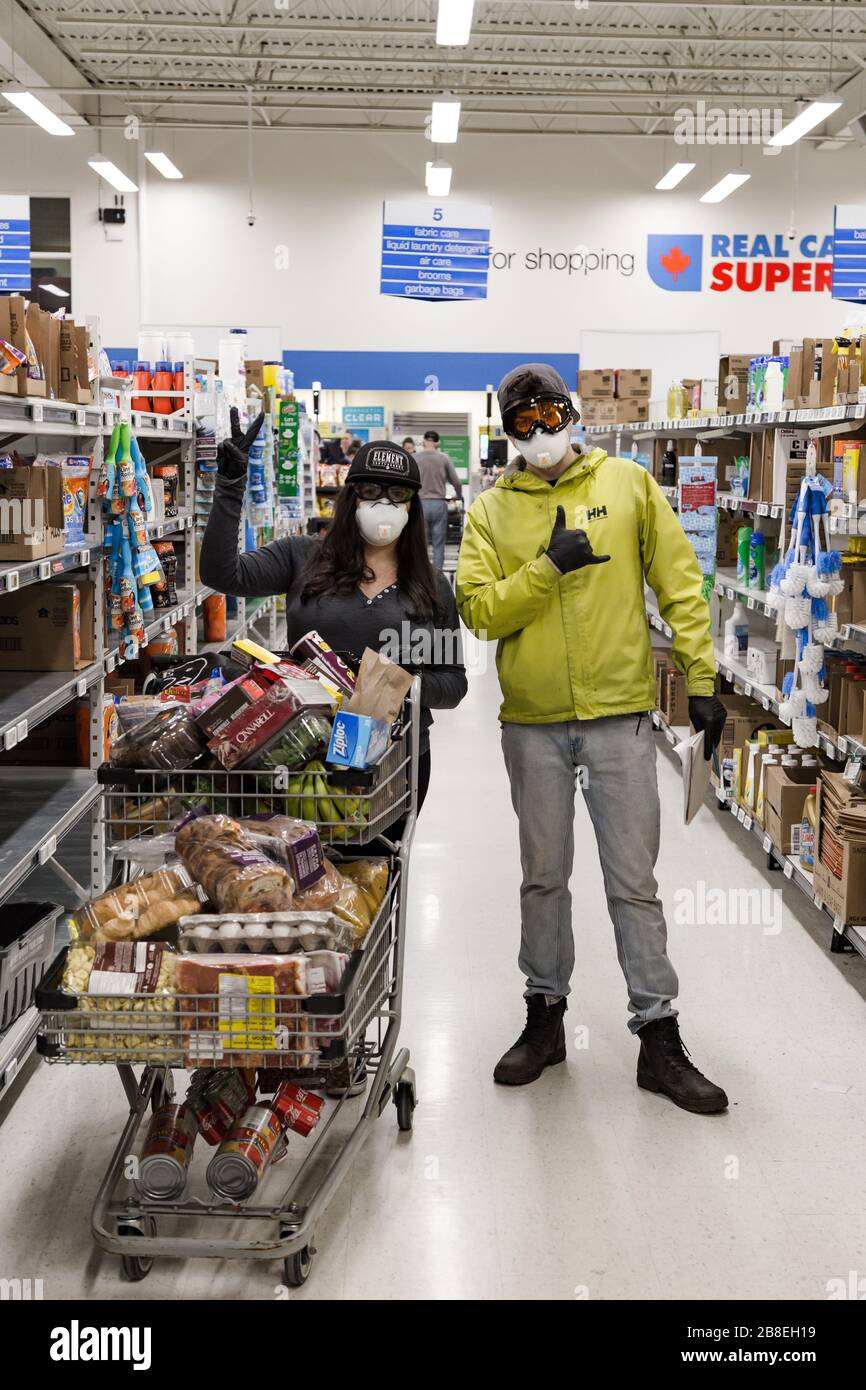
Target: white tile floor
578	1186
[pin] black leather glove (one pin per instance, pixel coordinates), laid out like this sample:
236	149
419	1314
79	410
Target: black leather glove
570	550
233	454
708	713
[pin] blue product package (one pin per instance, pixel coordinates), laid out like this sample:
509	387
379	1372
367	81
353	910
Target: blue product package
357	740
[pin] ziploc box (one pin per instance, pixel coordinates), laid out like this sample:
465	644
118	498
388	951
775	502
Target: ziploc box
357	740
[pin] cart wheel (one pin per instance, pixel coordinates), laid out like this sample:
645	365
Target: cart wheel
405	1103
135	1267
297	1267
163	1092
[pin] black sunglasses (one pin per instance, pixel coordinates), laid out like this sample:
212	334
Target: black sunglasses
373	492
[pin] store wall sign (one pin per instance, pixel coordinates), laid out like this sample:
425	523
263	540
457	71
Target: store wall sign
435	251
14	243
359	417
740	261
849	252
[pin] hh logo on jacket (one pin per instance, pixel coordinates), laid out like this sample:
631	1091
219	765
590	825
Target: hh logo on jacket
583	515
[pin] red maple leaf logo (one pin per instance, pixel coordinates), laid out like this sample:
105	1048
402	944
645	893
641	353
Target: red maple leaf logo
675	261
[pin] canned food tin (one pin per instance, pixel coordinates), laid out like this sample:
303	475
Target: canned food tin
236	1168
165	1157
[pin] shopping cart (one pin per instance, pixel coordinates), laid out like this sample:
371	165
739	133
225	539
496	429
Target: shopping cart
453	537
333	1040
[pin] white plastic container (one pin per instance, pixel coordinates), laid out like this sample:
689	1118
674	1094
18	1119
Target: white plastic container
736	633
151	346
180	345
774	386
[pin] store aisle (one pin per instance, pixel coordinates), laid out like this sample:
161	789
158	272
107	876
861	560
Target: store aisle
580	1186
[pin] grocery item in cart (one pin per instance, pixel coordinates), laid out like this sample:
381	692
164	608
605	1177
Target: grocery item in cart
299	842
216	1097
235	874
254	730
284	933
352	906
138	909
315	651
126	1002
323	894
371	876
296	1108
238	1165
304	738
357	740
243	1010
170	740
380	688
163	1167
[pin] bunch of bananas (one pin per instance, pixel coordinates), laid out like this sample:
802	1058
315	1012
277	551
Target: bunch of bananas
310	797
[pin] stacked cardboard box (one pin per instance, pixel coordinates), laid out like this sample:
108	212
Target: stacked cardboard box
785	792
47	627
840	857
57	349
671	697
733	381
596	391
633	388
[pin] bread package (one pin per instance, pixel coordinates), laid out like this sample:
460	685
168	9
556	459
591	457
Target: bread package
137	909
235	874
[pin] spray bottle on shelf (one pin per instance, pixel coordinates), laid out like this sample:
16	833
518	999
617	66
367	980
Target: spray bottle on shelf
736	633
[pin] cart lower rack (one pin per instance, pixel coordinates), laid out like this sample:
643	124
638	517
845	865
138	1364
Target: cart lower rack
344	1042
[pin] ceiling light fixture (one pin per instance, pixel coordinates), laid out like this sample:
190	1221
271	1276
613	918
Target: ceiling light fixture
674	175
54	289
163	164
723	188
445	121
454	22
38	112
116	177
812	115
438	179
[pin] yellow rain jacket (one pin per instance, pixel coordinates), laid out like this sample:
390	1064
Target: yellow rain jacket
577	646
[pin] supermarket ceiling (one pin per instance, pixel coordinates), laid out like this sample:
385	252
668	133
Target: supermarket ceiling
553	66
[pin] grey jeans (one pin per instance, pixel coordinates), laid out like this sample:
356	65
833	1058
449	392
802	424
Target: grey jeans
614	762
436	521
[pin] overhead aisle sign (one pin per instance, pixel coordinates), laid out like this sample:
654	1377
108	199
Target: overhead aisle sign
849	252
14	243
435	250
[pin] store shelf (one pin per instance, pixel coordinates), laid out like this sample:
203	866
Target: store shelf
16	1045
27	698
17	575
732	502
749	420
789	864
146	425
22	415
727	585
38	810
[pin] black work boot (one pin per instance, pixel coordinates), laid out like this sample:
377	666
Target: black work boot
540	1045
664	1066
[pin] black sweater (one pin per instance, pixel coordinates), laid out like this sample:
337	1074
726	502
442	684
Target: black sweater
348	622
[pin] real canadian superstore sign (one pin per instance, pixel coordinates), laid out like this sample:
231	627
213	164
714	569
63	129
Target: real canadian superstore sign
690	262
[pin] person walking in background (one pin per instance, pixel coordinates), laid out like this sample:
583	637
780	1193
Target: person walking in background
575	667
436	470
408	444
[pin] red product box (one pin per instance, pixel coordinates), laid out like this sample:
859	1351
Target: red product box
251	731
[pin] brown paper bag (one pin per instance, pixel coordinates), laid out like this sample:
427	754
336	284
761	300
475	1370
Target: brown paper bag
380	687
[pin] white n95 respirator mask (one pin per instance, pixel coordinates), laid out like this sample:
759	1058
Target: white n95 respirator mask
544	450
381	522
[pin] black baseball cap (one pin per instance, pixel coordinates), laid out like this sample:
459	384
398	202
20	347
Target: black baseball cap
379	462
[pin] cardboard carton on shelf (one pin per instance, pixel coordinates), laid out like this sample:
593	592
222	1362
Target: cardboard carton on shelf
47	627
817	374
70	386
32	495
840	853
628	410
634	382
596	385
598	412
785	792
733	379
13	314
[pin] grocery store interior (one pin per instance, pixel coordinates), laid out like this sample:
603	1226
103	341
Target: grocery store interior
523	344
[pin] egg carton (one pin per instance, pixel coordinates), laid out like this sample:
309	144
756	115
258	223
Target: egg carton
281	932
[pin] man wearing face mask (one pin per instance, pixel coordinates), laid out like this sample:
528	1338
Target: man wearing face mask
366	583
552	565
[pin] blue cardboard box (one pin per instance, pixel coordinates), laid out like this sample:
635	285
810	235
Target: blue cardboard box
357	740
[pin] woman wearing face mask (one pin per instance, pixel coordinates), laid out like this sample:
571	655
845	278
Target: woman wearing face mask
367	583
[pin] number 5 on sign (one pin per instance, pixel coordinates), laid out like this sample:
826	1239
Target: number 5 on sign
438	214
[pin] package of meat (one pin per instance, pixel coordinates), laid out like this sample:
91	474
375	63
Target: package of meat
242	1010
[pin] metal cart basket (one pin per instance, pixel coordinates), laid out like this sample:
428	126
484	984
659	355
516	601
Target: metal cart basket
338	1040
